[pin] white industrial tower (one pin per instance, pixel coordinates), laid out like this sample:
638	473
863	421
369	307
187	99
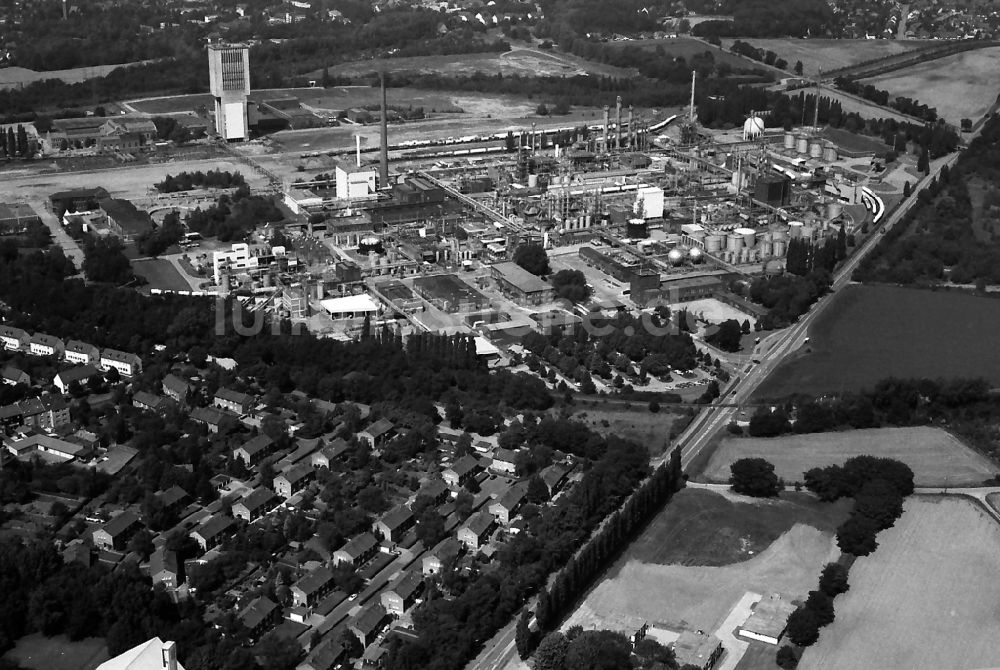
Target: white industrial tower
229	81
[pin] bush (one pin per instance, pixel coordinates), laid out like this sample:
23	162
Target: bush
787	658
754	477
802	628
833	580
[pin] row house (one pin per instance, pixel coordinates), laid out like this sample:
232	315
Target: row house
461	471
312	588
151	402
233	401
293	480
127	364
81	374
12	376
394	524
475	532
211	533
446	551
255	450
45	345
81	353
331	453
402	594
255	505
14	339
507	506
356	552
115	534
176	388
259	616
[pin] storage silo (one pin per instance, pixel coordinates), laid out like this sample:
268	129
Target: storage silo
714	243
749	236
815	149
789	140
532	181
830	152
795	229
637	229
735	242
779	249
766	245
802	144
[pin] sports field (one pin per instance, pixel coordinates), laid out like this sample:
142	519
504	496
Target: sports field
935	456
160	273
698	558
817	54
961	86
38	652
926	599
874	332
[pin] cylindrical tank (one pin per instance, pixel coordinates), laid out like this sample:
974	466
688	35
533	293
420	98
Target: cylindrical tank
816	149
808	232
789	140
774	268
802	144
370	245
749	236
834	208
766	246
266	281
779	249
532	180
735	242
713	243
695	254
830	152
636	228
588	221
675	257
320	290
795	229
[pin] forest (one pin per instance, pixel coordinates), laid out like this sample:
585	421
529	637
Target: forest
770	18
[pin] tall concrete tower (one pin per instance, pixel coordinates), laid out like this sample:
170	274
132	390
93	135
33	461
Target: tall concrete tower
229	82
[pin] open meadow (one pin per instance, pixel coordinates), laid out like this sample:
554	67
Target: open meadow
633	423
964	85
704	551
161	274
826	54
12	77
936	457
874	332
926	599
38	652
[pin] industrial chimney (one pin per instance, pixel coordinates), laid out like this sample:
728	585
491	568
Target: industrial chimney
357	148
65	10
630	127
384	147
607	121
618	124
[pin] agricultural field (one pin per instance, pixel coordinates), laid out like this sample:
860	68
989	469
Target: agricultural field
526	62
160	273
936	457
698	558
12	77
874	332
821	54
925	599
38	652
686	47
961	86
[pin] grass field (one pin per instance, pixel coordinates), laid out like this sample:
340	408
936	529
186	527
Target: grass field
693	563
817	54
961	86
58	653
926	599
934	455
637	423
686	47
518	61
874	332
160	273
11	77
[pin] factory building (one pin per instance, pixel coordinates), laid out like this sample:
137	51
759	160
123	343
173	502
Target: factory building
355	181
520	285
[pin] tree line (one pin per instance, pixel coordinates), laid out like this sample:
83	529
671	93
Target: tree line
907	106
187	181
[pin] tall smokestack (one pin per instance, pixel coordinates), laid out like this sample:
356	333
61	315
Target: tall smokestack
630	127
384	147
65	10
607	121
694	74
357	149
618	123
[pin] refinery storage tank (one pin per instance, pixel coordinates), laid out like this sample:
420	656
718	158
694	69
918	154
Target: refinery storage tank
802	144
636	228
789	141
714	243
774	268
735	242
779	249
808	232
795	229
766	246
830	152
753	127
675	257
695	255
749	236
370	245
532	181
833	209
815	149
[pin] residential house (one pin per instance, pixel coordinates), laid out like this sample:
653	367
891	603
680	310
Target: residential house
153	654
328	655
164	568
81	353
14	339
57	450
357	551
255	505
436	490
312	588
176	388
402	593
378	433
394	524
506	507
45	345
79	373
505	461
555	477
127	364
13	376
444	553
11	416
255	450
233	401
151	402
330	453
293	480
367	623
115	534
47	412
210	417
461	471
211	533
304	448
475	532
174	499
259	616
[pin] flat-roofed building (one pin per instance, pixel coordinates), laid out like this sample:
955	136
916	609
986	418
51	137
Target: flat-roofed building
520	285
697	650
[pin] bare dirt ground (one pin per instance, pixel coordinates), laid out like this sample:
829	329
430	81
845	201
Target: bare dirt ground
936	457
926	599
961	86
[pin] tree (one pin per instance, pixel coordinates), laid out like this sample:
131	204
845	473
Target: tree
571	285
754	477
833	580
22	141
798	68
551	652
727	336
522	635
787	658
923	163
542	110
537	492
857	535
822	606
802	628
532	257
278	653
599	650
142	544
654	406
906	190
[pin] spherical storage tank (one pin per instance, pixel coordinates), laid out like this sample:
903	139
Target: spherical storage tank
695	255
676	256
774	268
713	243
789	141
815	149
749	236
802	144
753	127
735	242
